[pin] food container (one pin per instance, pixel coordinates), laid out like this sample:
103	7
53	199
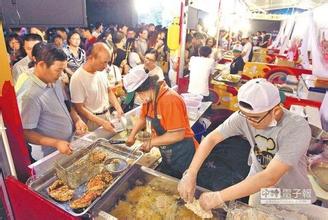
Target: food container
191	96
319	170
40	184
240	211
76	169
136	178
143	136
229	78
193	107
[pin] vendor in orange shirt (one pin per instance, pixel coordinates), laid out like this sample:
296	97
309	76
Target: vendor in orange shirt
163	113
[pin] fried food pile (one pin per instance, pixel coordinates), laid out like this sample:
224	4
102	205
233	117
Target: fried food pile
97	156
94	188
85	200
60	191
147	202
198	210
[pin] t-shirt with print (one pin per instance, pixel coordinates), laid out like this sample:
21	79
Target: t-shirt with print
113	75
171	111
90	89
74	62
288	142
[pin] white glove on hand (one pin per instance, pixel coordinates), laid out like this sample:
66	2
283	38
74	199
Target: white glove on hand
187	187
211	200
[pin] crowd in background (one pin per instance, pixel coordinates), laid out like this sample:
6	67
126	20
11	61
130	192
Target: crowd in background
55	73
129	45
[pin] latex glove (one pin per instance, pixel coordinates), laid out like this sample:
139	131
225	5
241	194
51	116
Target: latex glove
80	127
63	147
187	186
146	146
211	200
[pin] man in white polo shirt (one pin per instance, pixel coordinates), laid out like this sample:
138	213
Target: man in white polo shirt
90	91
279	141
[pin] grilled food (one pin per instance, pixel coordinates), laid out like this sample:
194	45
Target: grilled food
84	201
60	191
97	156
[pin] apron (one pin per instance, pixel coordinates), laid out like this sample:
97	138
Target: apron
176	157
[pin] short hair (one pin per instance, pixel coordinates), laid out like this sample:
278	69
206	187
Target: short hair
120	26
189	38
142	30
150	83
205	51
86	29
118	37
57	36
98	47
32	37
70	34
245	105
35	52
211	38
131	29
49	53
152	51
61	29
198	36
98	24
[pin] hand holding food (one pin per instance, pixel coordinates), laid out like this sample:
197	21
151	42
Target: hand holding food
187	187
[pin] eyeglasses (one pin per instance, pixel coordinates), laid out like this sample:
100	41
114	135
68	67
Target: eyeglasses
255	119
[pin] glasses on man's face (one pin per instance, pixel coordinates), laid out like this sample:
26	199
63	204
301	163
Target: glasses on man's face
255	119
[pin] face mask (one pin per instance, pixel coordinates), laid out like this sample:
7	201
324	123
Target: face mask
273	123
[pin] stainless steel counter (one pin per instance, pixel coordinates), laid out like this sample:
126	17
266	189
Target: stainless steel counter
43	165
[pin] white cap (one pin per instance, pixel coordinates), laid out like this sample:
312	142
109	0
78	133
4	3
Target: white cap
260	94
237	47
134	79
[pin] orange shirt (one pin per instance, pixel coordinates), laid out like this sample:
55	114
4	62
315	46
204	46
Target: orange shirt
171	111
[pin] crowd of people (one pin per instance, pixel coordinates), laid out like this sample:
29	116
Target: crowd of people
70	81
74	55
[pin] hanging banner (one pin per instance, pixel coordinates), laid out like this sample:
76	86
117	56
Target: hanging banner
319	42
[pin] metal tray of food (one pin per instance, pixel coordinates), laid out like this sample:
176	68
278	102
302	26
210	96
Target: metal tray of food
319	170
41	184
138	180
